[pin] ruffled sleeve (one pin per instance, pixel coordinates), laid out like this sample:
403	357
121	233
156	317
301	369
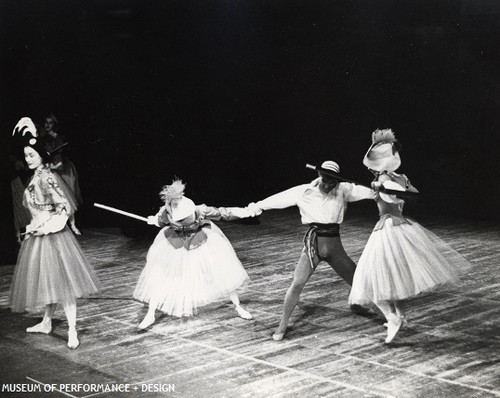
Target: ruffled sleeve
162	217
223	213
54	193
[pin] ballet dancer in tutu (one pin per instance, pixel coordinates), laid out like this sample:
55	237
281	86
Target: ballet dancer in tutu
401	259
191	262
51	268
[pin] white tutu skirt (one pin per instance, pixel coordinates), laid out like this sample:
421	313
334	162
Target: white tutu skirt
178	281
51	269
403	261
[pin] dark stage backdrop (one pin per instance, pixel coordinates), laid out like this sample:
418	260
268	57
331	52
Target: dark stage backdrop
235	97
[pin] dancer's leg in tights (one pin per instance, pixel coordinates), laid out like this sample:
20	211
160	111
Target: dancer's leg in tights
303	271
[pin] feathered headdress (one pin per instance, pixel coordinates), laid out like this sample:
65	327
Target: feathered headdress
173	192
25	125
176	203
25	133
383	154
383	135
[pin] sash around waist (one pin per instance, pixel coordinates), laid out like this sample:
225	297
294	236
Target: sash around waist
325	229
318	230
188	237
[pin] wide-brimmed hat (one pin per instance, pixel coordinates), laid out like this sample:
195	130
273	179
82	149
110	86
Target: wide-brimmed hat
382	154
182	208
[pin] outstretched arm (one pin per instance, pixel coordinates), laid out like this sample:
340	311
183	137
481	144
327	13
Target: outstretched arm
160	219
224	213
281	200
353	192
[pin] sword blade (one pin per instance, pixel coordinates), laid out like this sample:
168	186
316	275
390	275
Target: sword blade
118	211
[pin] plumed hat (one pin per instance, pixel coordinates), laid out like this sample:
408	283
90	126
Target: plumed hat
178	206
25	134
182	208
382	154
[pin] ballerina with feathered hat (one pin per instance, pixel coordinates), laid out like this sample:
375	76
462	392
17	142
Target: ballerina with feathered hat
401	258
191	263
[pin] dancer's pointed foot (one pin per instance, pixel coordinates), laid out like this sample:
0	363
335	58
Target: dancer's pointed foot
73	341
394	324
243	313
147	321
279	334
42	327
75	230
403	318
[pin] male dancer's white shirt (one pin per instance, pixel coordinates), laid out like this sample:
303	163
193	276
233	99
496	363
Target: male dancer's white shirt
314	205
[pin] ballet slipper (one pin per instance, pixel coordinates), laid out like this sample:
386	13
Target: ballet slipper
278	336
147	321
73	341
393	327
242	313
403	318
42	327
75	230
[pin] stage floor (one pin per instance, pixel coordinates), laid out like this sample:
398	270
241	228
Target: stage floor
450	348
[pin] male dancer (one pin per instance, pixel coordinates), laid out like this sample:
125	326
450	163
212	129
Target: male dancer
322	204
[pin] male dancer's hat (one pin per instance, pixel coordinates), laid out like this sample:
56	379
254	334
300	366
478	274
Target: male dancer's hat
382	154
331	165
182	208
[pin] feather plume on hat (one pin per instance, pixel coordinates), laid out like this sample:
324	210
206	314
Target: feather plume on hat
174	192
23	126
383	154
25	134
383	135
178	206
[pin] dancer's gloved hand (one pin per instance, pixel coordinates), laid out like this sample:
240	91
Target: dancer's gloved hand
55	166
235	213
28	232
253	210
377	186
54	224
153	220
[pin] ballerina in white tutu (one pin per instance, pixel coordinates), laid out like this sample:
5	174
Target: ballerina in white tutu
401	259
51	268
191	263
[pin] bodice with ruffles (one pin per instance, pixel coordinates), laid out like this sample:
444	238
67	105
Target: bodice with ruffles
43	197
393	211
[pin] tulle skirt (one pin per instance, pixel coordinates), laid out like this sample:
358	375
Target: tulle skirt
51	269
403	261
178	281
